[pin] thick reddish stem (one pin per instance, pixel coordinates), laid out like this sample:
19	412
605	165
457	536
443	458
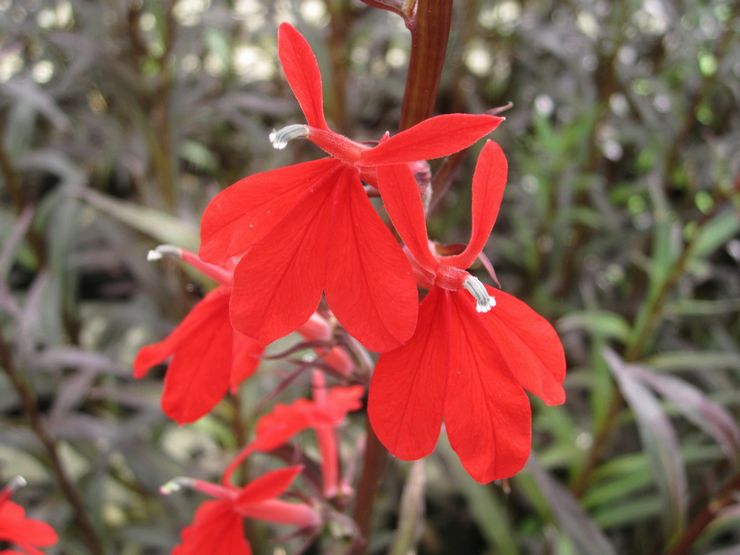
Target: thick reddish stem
430	31
429	35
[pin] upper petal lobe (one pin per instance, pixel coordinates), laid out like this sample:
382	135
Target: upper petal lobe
432	138
302	71
489	182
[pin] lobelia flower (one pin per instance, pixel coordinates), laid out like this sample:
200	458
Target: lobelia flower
217	528
209	357
310	228
475	350
324	414
26	534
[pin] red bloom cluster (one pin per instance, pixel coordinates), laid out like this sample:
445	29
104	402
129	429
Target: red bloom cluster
26	534
278	240
217	527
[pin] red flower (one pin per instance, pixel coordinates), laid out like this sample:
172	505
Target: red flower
217	528
325	413
475	350
310	228
209	357
25	533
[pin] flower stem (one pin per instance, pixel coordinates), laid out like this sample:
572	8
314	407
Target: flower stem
374	463
430	32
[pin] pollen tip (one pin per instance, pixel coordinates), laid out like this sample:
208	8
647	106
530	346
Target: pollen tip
279	138
483	301
161	251
176	484
16	482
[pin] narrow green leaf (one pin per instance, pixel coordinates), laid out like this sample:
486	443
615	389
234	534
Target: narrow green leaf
158	225
659	441
570	516
411	518
596	322
720	229
488	511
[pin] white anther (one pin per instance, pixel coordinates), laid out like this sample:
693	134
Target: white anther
281	137
176	484
483	301
162	251
16	483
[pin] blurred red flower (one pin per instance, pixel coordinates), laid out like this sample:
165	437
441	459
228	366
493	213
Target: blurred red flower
217	528
26	534
324	414
209	357
475	350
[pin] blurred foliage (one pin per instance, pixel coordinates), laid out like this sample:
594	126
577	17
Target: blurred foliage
120	119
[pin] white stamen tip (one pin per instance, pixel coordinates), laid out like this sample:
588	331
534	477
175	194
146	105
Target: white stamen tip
16	483
483	301
281	137
176	484
162	251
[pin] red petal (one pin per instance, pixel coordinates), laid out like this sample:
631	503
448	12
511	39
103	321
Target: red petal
191	326
198	376
217	529
341	400
402	201
487	414
16	528
275	429
302	70
370	286
246	353
278	283
268	486
489	181
432	138
245	212
407	390
529	345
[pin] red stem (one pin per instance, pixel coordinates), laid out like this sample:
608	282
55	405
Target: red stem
430	31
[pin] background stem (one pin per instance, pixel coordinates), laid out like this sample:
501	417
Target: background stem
31	410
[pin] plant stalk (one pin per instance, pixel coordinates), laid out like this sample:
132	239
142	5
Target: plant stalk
430	31
31	410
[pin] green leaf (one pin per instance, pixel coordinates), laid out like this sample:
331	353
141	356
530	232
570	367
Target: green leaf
659	440
489	513
720	229
608	325
570	516
629	512
694	360
156	224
